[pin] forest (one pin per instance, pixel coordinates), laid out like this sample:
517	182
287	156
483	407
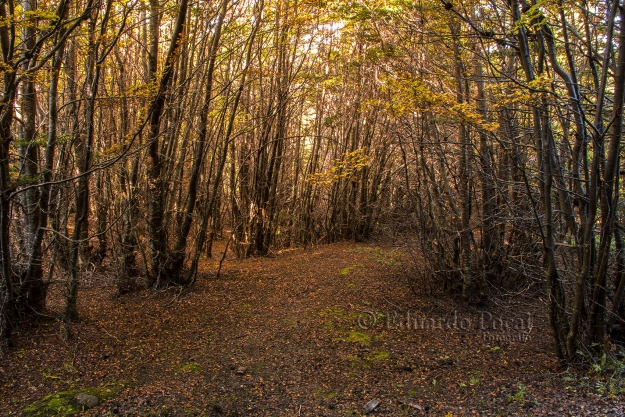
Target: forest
145	142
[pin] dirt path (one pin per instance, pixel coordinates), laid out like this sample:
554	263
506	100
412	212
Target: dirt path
317	332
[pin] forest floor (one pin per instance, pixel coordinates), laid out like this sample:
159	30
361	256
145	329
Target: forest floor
308	332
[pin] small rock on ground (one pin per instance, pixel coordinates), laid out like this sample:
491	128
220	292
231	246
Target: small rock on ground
88	400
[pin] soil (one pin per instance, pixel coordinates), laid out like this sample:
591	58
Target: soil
316	331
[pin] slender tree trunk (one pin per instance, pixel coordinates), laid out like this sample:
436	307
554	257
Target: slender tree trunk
223	152
157	243
7	282
33	279
31	294
609	195
200	148
82	192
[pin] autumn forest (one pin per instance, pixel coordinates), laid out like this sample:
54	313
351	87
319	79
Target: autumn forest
140	138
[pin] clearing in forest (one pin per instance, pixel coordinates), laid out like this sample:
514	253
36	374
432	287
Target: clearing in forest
307	332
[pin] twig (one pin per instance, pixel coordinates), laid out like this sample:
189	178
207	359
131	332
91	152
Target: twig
395	305
304	290
223	256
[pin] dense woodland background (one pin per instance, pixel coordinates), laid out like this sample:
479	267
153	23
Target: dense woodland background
135	133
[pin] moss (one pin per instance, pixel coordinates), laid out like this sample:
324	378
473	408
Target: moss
378	356
339	313
357	362
63	404
191	367
245	309
345	271
360	338
321	392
